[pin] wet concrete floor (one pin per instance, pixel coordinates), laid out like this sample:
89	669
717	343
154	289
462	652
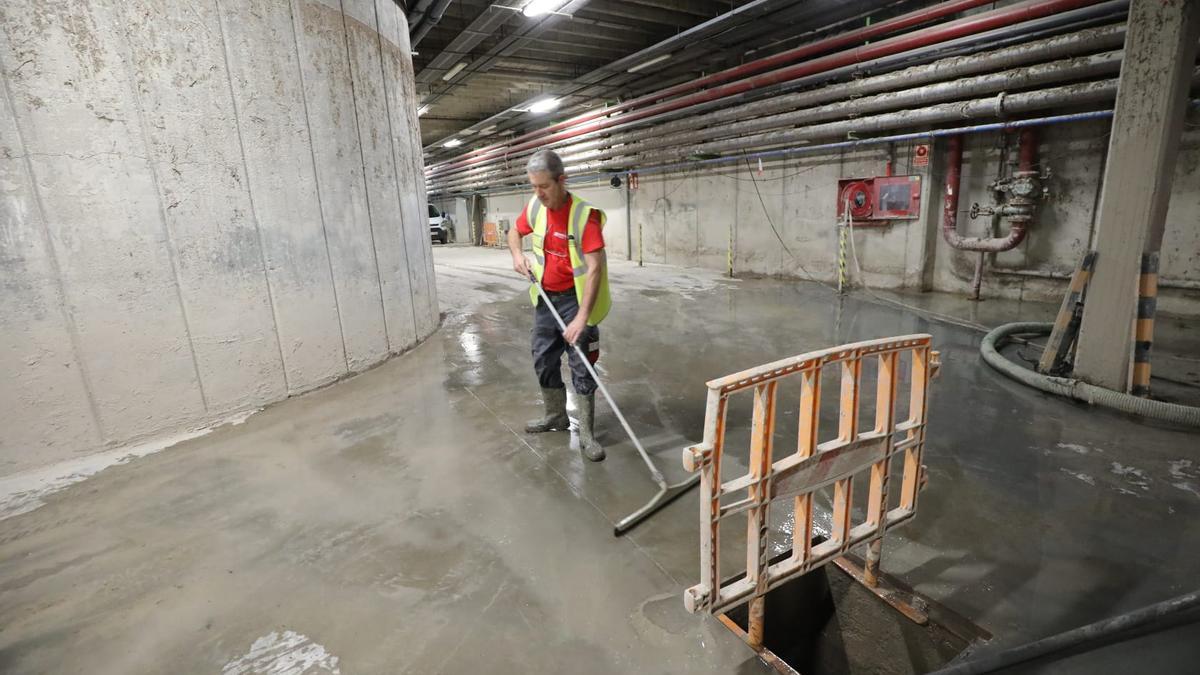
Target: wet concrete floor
400	521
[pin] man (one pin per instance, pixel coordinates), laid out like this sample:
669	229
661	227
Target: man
569	262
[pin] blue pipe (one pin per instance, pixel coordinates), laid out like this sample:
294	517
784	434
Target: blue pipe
840	145
897	138
856	143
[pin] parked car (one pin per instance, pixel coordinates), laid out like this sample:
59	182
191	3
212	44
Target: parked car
441	225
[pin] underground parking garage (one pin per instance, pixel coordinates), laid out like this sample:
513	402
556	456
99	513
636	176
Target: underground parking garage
599	336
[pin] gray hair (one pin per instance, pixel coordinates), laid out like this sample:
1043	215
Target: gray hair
545	160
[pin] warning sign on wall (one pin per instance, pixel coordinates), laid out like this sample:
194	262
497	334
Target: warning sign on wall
921	155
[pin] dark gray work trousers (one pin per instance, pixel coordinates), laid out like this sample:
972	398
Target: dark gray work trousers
548	345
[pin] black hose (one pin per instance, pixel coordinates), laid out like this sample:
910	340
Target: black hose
1093	632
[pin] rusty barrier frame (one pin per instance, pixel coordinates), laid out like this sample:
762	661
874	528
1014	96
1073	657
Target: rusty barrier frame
813	466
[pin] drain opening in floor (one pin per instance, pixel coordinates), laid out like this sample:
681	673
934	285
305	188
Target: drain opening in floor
826	623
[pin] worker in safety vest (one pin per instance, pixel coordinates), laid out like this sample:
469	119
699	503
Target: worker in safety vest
569	262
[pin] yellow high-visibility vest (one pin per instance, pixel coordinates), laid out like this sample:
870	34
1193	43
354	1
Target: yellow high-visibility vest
577	222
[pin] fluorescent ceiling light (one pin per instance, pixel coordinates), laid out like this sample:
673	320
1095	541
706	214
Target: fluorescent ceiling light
454	71
540	7
487	130
422	110
647	64
467	132
544	105
452	143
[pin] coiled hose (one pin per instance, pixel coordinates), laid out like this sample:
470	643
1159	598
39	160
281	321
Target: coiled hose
1076	389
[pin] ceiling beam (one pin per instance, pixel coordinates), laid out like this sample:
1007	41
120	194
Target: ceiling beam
594	55
481	28
576	30
703	10
642	30
603	81
636	13
551	39
810	18
527	32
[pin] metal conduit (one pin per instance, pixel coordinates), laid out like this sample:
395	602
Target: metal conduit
947	69
1106	37
824	148
1084	67
1037	28
882	28
431	20
647	168
993	106
1056	47
939	33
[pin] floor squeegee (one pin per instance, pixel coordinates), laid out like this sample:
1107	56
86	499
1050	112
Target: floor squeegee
667	492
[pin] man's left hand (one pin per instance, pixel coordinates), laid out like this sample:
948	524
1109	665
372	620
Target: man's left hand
575	330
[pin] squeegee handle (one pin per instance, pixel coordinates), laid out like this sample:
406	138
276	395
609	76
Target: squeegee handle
655	474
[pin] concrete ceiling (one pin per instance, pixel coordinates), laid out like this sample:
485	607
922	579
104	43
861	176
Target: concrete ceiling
576	54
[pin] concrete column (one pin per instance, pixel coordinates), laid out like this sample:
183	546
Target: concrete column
1160	50
200	212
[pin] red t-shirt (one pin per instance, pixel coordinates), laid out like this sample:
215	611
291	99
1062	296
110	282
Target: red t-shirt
558	275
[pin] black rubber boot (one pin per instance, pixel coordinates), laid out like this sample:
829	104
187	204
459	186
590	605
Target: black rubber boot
555	418
585	408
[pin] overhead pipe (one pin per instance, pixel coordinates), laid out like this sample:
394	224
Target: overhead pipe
1104	37
953	29
1107	37
1055	47
1078	19
417	14
824	148
435	16
991	106
1036	29
1070	95
691	37
1107	63
898	23
827	148
929	134
968	25
1037	34
1000	105
1041	74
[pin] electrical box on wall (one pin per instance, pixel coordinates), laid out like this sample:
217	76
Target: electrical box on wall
882	198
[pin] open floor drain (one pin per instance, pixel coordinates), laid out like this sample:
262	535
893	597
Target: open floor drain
826	623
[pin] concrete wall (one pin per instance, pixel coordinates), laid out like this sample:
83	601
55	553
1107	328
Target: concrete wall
696	218
456	207
207	207
601	195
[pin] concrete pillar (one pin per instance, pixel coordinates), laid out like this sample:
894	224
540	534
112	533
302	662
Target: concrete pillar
1160	50
204	208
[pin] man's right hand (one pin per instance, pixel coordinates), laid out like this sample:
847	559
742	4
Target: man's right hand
521	267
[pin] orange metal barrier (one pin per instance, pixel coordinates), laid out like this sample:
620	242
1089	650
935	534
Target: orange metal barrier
813	466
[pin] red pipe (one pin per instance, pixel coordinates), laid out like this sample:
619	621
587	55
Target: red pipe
1028	151
1031	9
950	203
882	28
1018	228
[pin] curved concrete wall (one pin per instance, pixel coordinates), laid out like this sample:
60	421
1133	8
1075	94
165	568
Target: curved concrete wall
207	206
